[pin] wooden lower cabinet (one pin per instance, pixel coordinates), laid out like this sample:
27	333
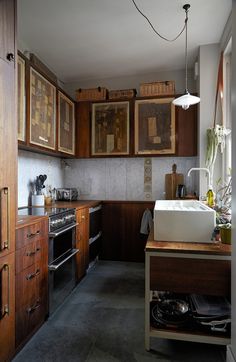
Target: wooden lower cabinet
7	307
31	279
121	238
82	241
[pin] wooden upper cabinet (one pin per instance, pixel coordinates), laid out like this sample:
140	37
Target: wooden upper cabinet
42	117
66	124
186	131
7	31
21	98
83	133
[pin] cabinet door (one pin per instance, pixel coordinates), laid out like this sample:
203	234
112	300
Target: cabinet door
7	30
42	111
66	124
83	129
7	307
8	166
82	242
186	135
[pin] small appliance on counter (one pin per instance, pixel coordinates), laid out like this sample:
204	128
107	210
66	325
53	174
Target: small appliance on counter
67	194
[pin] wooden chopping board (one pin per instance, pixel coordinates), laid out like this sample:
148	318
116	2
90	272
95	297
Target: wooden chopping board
171	181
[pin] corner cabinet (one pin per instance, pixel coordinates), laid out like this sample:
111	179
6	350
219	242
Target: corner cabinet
8	156
185	268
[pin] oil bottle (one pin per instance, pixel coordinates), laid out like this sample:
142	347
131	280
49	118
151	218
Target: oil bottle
210	197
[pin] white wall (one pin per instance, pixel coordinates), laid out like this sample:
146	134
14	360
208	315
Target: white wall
208	71
31	165
130	82
123	178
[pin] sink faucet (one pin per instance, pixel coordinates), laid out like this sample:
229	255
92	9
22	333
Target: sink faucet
209	186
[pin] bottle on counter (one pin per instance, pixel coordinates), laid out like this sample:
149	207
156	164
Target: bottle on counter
210	197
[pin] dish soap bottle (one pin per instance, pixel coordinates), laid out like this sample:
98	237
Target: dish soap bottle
210	197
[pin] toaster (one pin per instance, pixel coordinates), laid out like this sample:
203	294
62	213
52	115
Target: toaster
67	194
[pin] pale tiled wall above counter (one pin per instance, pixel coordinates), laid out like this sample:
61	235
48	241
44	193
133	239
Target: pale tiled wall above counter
123	178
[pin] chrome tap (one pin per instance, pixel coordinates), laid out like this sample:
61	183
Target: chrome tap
209	185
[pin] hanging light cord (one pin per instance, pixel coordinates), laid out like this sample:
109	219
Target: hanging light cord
186	8
161	36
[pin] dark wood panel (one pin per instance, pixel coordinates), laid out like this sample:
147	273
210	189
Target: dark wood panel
30	233
187	131
83	129
121	238
200	276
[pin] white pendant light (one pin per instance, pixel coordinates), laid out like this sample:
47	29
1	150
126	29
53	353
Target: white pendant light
187	99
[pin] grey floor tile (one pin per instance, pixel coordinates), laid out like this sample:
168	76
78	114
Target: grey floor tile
103	321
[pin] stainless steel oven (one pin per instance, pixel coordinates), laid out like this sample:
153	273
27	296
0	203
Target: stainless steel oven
61	257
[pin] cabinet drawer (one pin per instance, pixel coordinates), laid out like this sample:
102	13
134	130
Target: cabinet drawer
82	215
25	256
188	275
26	235
28	319
27	287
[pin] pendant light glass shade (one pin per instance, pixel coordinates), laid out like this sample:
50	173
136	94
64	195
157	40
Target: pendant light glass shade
187	99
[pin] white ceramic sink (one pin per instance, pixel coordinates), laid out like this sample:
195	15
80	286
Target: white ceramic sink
183	220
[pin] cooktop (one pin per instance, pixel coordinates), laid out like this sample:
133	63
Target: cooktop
41	211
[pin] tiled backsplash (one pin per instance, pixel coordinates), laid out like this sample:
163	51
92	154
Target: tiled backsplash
31	165
124	178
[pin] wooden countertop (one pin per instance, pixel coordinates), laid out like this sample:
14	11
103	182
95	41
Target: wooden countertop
186	247
23	221
79	204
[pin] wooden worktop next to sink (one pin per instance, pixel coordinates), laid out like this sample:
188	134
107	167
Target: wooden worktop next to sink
79	204
187	247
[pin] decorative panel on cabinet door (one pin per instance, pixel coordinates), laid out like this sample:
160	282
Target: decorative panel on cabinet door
8	166
21	97
7	30
187	131
7	306
42	111
83	128
66	124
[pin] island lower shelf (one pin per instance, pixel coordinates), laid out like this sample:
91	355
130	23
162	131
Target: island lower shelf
180	268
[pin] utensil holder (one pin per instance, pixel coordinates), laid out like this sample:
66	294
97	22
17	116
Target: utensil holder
37	200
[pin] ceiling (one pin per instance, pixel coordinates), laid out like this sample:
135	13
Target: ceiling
96	39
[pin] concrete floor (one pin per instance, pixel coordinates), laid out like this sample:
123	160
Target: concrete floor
103	320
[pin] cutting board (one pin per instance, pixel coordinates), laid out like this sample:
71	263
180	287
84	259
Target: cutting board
171	181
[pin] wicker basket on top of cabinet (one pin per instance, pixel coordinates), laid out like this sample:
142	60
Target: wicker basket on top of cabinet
160	88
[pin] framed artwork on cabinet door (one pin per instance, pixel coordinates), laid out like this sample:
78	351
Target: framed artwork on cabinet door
42	111
155	126
21	98
66	128
110	129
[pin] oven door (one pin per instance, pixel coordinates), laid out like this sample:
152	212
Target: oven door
62	265
62	278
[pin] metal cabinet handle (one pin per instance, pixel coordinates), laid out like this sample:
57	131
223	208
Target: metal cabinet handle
5	244
94	209
5	309
82	217
33	275
31	253
10	57
34	307
29	236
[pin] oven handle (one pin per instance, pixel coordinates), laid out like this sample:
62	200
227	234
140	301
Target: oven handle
54	267
94	209
91	240
55	234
